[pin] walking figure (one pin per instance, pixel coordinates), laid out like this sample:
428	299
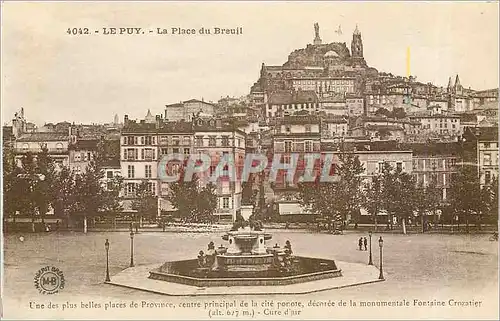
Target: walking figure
365	243
360	243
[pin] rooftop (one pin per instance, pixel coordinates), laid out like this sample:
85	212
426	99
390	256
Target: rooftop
43	137
291	97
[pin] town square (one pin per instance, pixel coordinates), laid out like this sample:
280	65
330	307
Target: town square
255	161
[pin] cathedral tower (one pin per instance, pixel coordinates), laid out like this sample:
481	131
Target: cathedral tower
356	44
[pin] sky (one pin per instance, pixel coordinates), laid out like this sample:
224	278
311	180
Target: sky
55	76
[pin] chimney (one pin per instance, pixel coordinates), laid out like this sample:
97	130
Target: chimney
125	119
158	121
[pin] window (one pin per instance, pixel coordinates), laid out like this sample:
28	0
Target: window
186	151
176	140
152	188
147	171
77	157
142	140
487	177
308	128
225	202
175	150
148	140
131	171
124	140
130	190
308	146
199	140
211	141
164	151
225	141
287	129
380	167
286	159
186	140
288	147
486	145
148	154
109	174
59	147
487	159
130	154
26	147
109	186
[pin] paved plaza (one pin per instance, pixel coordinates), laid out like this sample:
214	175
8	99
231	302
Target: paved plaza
422	267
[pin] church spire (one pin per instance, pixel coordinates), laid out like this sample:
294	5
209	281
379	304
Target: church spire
450	84
356	31
149	117
356	44
457	81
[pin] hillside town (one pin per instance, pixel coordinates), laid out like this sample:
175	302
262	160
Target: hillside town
325	98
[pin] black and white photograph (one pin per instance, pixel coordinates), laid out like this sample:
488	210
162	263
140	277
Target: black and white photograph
171	160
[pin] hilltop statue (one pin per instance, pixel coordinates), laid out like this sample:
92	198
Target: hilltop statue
317	39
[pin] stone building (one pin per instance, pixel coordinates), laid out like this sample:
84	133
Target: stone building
139	158
185	110
219	139
81	153
480	146
435	163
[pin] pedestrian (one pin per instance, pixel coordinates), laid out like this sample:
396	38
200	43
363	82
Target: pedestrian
365	243
360	243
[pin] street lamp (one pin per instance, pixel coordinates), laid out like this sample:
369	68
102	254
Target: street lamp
106	246
370	261
381	245
132	249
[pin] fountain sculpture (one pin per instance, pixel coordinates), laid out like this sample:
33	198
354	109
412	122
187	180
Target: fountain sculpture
246	260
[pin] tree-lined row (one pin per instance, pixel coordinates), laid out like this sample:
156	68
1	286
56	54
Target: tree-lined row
397	194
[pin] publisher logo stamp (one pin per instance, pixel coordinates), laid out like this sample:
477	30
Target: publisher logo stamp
49	280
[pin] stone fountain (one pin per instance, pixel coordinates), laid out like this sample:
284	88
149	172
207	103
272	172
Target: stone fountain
247	259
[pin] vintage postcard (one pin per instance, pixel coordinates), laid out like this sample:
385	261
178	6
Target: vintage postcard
249	160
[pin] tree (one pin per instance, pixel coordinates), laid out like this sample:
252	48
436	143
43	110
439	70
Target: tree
35	179
64	193
112	204
335	200
398	189
350	192
398	113
193	202
145	202
10	182
426	199
465	194
489	201
383	112
206	203
373	197
248	194
88	193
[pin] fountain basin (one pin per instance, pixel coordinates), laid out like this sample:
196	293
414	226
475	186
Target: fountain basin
187	272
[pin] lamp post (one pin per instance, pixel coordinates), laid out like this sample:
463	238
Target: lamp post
106	246
381	245
370	261
132	249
